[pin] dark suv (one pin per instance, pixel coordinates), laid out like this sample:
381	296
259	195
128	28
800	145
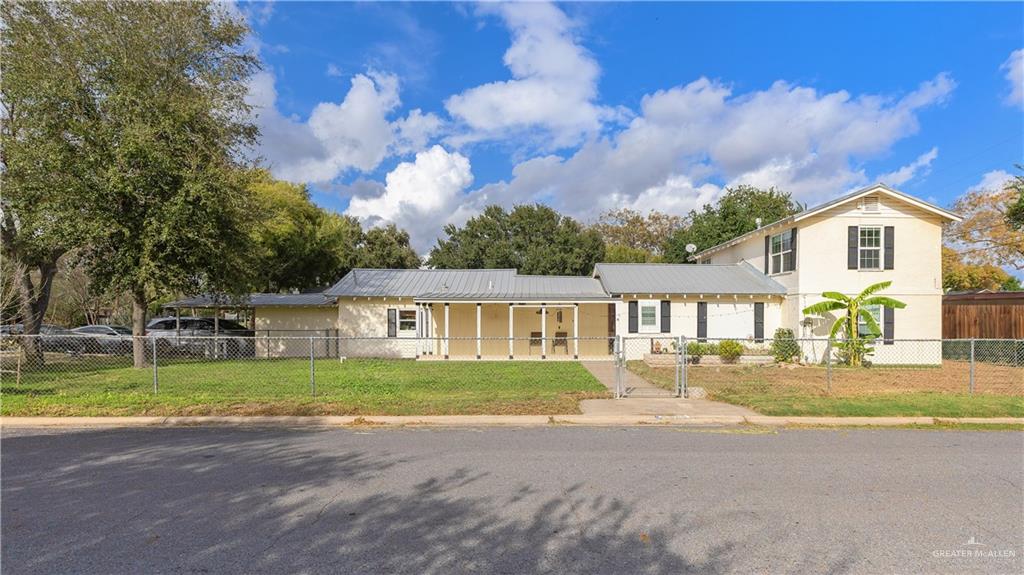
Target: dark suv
199	336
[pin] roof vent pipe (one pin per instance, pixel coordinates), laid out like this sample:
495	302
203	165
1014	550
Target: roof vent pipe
757	222
490	285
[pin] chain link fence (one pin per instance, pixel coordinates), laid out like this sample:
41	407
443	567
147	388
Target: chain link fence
62	374
712	366
373	375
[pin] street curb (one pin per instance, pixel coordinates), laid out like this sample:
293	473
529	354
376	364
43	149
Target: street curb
490	421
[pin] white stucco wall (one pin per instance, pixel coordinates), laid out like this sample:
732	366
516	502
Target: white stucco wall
821	265
728	318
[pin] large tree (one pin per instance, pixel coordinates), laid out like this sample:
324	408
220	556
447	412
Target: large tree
631	229
46	168
985	236
171	209
1015	213
960	276
734	214
533	239
387	247
299	244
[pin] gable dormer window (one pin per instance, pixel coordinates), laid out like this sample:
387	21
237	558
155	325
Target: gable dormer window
870	204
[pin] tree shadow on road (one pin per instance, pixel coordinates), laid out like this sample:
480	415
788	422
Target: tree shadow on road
276	501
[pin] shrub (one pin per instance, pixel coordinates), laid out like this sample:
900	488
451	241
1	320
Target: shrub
784	346
730	350
694	351
711	348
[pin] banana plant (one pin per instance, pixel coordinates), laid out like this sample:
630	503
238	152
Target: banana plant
853	308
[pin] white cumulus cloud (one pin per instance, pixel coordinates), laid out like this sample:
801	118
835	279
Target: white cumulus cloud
553	87
356	133
992	181
906	173
1014	66
419	196
689	137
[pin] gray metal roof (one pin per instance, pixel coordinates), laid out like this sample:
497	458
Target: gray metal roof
255	300
739	278
502	284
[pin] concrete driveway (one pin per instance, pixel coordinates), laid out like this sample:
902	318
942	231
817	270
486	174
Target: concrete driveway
540	500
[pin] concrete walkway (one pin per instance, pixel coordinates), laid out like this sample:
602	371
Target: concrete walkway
635	386
644	398
662	406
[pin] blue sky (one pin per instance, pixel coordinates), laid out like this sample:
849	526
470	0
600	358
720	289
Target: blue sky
421	114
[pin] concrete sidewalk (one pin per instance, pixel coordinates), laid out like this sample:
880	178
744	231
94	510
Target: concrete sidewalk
487	421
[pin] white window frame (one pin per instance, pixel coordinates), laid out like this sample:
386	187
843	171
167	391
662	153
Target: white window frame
652	303
862	326
415	322
781	253
862	249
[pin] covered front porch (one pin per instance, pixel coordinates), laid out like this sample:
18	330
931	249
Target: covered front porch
516	330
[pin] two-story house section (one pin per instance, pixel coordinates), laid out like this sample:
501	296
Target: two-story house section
874	234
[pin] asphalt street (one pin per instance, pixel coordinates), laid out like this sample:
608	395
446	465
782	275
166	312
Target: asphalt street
495	500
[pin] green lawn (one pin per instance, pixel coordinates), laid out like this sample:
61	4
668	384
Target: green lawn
282	387
770	401
800	391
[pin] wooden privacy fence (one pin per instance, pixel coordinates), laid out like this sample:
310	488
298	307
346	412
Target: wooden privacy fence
983	315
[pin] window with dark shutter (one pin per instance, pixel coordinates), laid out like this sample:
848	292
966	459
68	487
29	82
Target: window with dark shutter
888	325
759	322
767	254
666	316
889	247
702	320
634	317
852	243
792	255
392	323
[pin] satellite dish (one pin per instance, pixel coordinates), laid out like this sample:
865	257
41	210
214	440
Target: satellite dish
690	248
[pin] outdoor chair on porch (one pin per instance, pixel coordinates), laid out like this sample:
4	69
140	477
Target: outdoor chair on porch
561	340
537	340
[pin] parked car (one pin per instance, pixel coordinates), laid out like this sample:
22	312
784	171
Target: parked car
200	336
110	339
51	338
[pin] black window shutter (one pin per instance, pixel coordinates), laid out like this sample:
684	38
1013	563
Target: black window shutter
702	320
392	323
666	316
767	254
634	317
792	256
852	240
759	322
888	324
889	245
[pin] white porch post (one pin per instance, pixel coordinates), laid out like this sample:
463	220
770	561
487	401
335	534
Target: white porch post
478	332
447	316
543	330
575	331
511	342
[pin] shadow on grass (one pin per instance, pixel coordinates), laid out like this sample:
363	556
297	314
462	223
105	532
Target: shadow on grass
220	500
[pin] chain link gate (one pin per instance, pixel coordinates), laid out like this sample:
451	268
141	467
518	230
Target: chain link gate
650	367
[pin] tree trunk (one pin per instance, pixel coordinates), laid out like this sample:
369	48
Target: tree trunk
139	348
34	303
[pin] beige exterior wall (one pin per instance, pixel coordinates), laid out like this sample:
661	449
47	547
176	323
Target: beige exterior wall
367	318
277	330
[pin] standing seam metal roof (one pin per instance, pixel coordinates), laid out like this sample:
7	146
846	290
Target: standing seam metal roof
739	278
464	284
